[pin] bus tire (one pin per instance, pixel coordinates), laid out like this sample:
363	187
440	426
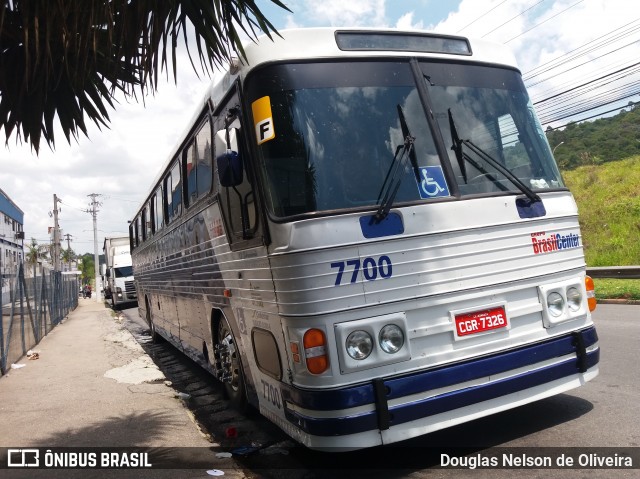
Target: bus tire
234	388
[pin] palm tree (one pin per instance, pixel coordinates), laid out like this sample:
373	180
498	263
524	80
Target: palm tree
67	257
69	58
35	253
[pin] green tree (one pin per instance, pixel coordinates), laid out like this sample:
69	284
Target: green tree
86	268
69	58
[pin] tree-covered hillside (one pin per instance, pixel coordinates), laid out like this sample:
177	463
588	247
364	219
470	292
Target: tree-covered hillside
599	141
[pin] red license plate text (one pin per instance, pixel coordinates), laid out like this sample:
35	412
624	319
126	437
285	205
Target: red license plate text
480	321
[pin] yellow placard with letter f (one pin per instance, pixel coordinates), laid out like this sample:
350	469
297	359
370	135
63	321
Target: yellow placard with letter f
263	119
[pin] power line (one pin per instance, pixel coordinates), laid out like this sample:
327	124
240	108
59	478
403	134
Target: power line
532	73
481	16
586	83
511	19
544	21
581	64
589	117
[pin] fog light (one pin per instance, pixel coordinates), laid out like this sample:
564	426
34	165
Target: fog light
574	299
391	338
359	345
555	304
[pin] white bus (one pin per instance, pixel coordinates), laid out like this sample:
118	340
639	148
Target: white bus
364	235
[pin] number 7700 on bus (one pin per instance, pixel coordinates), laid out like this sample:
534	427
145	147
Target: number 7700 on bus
364	235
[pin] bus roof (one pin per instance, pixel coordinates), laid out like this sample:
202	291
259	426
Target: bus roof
322	43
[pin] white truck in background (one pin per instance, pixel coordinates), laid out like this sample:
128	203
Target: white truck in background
119	286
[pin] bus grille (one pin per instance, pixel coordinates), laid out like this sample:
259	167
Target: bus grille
130	288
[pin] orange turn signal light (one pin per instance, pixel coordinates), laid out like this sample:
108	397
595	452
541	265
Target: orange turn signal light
315	351
591	293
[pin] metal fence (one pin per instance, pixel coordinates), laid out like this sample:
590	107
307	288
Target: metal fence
33	303
622	272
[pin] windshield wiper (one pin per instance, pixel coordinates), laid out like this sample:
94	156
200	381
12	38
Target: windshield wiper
461	156
392	181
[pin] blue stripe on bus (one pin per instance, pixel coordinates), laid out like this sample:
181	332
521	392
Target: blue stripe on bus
441	377
439	404
438	378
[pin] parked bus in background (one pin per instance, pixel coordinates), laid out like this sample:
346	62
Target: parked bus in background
364	235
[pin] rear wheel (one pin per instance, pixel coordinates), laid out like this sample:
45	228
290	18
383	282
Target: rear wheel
231	367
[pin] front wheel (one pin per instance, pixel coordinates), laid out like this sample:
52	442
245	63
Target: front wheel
230	366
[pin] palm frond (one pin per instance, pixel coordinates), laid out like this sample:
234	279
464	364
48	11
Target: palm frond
67	59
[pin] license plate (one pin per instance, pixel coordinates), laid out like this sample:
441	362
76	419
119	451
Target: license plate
480	321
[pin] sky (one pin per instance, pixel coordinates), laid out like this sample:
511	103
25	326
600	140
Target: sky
120	162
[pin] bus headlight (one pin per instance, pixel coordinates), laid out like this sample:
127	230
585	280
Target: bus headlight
391	339
372	342
574	299
563	301
555	304
359	345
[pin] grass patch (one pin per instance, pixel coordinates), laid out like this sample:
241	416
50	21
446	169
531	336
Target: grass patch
608	198
617	288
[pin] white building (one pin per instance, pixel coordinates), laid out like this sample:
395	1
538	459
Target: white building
11	236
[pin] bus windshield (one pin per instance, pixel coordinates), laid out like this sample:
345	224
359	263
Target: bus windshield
338	128
124	271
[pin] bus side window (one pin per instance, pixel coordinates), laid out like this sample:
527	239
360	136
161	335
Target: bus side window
136	231
132	243
173	189
144	222
156	210
198	170
204	159
190	173
148	222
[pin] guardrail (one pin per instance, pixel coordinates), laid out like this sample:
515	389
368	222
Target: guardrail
621	272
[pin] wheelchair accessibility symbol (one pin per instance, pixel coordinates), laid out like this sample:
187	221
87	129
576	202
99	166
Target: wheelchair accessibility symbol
433	183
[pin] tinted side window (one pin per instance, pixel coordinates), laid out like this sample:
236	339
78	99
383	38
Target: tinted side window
173	188
148	230
145	217
198	157
157	211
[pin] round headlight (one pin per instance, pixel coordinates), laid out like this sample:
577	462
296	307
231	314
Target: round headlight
391	338
359	345
555	303
574	299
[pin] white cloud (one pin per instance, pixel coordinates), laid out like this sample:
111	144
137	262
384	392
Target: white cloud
364	13
119	162
405	22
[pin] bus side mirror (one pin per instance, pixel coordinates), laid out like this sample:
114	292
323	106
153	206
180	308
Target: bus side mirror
229	168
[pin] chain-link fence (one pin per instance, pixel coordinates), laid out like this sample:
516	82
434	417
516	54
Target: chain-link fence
33	303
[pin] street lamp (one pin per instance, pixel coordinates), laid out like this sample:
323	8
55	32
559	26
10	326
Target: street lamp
554	148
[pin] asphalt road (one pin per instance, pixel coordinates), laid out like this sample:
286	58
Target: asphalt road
600	418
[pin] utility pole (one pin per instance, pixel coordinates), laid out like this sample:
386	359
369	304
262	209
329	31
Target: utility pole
56	234
69	240
94	212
